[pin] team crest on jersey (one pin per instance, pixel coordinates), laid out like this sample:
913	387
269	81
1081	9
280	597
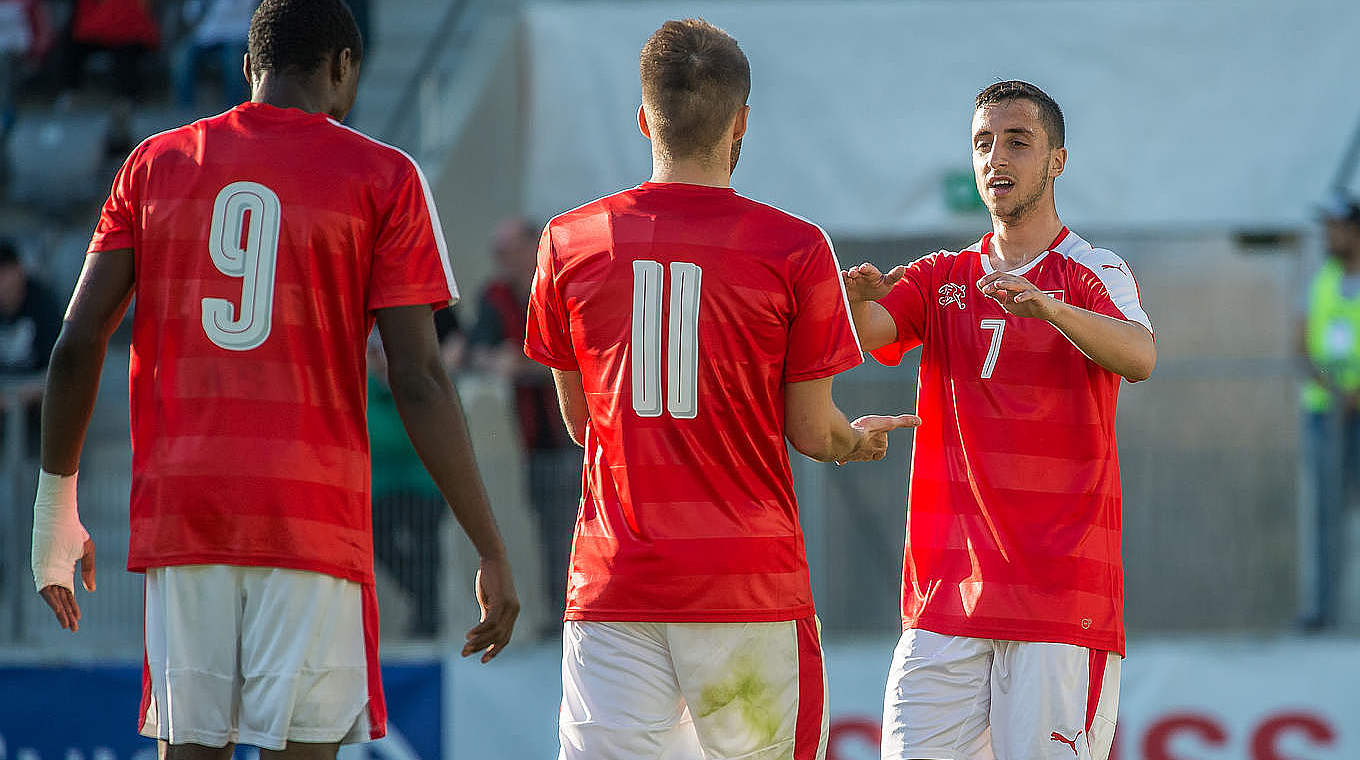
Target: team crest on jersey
952	292
1057	295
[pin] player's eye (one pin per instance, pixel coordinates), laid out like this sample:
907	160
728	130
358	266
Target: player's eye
1017	143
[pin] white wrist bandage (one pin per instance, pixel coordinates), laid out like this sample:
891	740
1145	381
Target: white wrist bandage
58	537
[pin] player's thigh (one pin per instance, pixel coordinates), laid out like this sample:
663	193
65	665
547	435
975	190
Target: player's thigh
304	661
620	700
191	678
938	697
1053	702
755	690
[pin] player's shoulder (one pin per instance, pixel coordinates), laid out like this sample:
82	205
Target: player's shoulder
777	222
1078	252
374	155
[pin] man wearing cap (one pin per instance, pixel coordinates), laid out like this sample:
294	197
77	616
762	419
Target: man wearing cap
1329	343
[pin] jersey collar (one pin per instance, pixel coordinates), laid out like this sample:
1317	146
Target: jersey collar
985	245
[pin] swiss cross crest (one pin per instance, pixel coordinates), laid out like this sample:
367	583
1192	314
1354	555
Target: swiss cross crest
952	292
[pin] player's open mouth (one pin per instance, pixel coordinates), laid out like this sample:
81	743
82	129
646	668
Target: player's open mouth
1000	186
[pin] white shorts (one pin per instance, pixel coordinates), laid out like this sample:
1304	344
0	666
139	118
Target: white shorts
959	698
755	691
259	656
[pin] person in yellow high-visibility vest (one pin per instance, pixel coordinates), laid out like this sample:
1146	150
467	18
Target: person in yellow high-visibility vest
1329	342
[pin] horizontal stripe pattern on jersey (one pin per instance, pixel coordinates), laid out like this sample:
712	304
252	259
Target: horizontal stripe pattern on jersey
687	309
265	239
1013	515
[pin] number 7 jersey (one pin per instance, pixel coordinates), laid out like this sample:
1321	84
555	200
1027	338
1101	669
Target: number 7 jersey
1013	514
264	240
686	309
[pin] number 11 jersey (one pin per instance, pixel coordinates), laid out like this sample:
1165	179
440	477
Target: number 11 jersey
1013	513
264	240
686	309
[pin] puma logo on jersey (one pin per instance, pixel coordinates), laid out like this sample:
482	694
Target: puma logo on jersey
1057	737
1120	267
952	292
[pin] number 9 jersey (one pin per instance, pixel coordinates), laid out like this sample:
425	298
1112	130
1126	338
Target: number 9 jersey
264	240
1013	514
686	309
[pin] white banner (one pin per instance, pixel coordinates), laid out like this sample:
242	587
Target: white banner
1179	114
1200	699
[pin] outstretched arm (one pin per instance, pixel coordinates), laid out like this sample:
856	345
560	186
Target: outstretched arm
819	430
59	540
433	416
1122	347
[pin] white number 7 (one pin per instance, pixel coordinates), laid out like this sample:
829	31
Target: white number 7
998	327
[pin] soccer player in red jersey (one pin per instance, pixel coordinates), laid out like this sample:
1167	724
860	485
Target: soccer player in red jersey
261	246
1012	588
691	331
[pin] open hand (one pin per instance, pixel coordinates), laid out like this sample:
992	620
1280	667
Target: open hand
866	283
500	606
874	429
1018	295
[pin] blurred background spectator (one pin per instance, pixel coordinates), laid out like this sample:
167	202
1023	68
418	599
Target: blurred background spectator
1329	342
127	30
25	37
497	346
216	46
30	318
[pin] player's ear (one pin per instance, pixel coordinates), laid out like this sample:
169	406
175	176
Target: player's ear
739	124
642	122
245	69
1057	161
341	66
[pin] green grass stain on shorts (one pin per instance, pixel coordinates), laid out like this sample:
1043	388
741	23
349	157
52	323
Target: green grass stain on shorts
751	695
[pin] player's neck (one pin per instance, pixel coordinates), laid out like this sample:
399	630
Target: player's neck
690	171
1016	243
287	92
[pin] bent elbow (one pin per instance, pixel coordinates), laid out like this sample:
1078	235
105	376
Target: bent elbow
809	445
1142	369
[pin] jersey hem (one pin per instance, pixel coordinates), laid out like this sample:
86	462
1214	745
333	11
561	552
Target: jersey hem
653	616
829	370
236	560
1098	643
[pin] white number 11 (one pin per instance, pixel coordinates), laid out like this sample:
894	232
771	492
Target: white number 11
682	376
998	327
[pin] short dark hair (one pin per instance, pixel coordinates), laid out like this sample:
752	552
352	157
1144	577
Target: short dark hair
1049	112
694	79
298	35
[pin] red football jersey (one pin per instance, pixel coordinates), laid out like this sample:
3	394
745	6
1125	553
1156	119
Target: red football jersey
686	309
264	239
1013	515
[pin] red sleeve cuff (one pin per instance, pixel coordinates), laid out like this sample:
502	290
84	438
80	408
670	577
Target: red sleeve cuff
847	361
436	297
549	360
109	241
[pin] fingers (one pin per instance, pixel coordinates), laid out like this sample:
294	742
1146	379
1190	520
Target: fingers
64	607
492	635
87	565
877	423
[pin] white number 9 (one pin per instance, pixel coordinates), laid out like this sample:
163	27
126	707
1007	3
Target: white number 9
244	243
